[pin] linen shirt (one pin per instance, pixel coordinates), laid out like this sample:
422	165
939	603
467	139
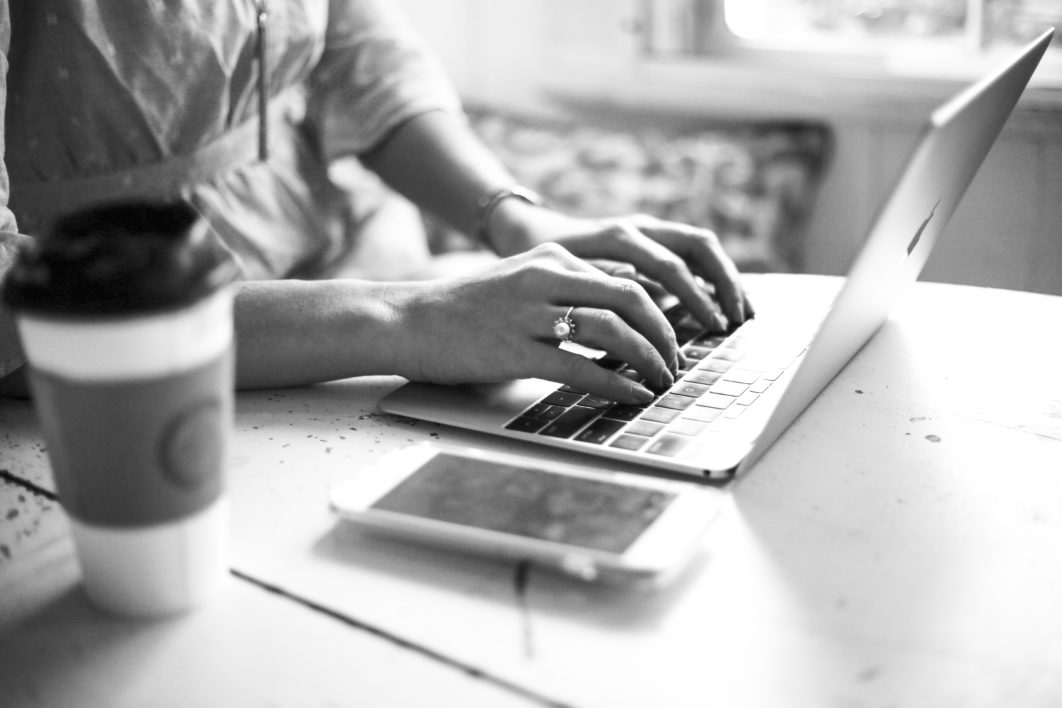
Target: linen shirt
100	92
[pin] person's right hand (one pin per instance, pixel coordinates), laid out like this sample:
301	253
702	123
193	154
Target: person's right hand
498	325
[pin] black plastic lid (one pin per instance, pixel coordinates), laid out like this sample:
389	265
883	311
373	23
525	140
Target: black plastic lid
119	259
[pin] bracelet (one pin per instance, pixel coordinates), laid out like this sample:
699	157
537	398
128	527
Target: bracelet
489	203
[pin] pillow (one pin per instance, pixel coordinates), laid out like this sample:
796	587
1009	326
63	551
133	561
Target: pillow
753	183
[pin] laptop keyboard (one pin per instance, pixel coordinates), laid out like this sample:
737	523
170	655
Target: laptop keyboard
724	376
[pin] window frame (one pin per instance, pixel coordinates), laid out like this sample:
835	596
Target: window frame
807	82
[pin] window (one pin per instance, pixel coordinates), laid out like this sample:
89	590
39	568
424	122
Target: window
900	38
980	23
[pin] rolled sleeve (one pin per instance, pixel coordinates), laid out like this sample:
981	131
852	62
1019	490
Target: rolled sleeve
11	356
375	73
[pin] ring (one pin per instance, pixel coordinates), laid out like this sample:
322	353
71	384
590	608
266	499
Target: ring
564	327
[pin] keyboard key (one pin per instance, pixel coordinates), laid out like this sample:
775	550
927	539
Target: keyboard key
676	313
734	411
710	341
715	400
702	414
644	428
623	412
760	386
685	426
571	389
544	411
772	375
747	398
685	333
742	375
679	403
660	415
629	442
719	366
695	353
728	388
706	378
570	422
690	389
669	445
728	353
595	402
537	410
562	398
599	431
526	424
758	361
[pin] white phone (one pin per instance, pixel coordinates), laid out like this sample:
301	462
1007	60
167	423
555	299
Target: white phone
595	525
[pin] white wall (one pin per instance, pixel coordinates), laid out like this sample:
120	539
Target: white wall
1007	233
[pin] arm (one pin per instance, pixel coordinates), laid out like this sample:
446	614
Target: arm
293	332
379	94
493	326
436	161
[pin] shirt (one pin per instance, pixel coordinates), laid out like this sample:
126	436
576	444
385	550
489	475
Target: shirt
118	97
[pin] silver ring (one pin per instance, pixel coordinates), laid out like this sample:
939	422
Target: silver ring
564	327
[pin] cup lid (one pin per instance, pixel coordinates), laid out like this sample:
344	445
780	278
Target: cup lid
119	259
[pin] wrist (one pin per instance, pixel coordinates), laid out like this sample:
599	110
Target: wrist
502	217
295	332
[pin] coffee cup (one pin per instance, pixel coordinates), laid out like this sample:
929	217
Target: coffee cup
125	316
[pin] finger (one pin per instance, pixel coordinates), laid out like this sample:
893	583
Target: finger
622	269
655	290
623	297
702	250
565	367
668	268
617	269
604	329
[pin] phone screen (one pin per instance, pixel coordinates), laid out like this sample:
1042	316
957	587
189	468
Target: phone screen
527	502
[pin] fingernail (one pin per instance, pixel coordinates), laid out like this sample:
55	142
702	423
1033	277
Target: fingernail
641	393
721	323
666	380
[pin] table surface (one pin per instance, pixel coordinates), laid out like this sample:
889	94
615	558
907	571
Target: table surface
900	545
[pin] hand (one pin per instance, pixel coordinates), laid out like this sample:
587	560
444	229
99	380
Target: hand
674	255
497	325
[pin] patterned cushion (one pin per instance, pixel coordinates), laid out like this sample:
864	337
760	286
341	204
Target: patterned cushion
753	183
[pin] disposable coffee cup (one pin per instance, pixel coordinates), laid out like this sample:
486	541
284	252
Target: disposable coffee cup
125	315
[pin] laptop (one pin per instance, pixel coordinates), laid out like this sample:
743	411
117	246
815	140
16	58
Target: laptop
741	391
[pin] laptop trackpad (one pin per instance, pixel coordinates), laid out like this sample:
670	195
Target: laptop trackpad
484	407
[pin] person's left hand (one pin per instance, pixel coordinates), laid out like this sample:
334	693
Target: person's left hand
672	254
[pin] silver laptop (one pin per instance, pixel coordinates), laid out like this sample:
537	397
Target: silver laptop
740	392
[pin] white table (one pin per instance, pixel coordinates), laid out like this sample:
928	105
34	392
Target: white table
900	545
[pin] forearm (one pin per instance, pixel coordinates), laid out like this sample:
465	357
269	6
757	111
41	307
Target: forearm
437	162
291	332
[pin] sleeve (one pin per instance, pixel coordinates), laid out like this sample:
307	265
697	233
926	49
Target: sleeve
374	74
11	356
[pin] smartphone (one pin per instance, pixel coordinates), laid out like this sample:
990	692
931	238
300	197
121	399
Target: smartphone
595	525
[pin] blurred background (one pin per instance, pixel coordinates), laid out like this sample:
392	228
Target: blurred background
780	123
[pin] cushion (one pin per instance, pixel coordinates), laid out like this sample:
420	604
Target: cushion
754	183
